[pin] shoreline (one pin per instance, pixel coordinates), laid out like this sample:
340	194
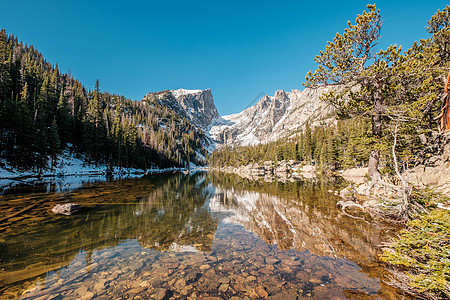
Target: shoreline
283	170
72	169
70	181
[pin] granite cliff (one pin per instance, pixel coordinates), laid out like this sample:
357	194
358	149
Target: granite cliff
273	117
282	115
195	105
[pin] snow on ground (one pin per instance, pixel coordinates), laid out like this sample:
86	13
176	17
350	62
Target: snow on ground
69	164
6	171
194	167
248	139
70	172
55	183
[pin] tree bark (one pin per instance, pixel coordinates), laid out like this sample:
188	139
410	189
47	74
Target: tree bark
406	188
374	158
373	165
444	117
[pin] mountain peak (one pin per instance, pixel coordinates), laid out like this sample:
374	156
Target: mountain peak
282	115
195	105
182	91
280	94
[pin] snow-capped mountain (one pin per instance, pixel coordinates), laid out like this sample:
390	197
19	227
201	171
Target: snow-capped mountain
195	105
273	117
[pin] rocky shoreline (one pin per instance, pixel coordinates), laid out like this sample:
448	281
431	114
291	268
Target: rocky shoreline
433	173
282	170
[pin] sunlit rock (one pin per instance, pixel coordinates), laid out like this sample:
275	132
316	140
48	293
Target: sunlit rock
66	209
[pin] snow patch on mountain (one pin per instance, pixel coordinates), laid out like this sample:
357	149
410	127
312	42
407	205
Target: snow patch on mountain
282	115
180	92
195	105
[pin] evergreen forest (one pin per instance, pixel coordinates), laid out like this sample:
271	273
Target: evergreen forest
331	147
383	97
44	111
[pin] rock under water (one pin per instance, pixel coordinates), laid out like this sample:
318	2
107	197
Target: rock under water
66	209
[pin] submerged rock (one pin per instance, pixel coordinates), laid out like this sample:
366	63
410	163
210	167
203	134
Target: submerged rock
66	209
160	294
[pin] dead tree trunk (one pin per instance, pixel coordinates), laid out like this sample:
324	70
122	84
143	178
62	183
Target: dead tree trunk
374	158
406	188
444	117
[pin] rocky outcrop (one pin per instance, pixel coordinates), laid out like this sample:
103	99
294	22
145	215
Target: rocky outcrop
273	117
385	200
434	171
195	105
287	170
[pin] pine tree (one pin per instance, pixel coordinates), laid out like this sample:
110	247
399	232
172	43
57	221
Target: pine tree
345	61
41	110
53	142
4	72
63	119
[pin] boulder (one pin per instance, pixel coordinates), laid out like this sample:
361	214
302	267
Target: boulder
356	175
309	169
347	193
66	209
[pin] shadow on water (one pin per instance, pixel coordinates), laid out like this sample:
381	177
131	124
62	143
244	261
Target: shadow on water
198	235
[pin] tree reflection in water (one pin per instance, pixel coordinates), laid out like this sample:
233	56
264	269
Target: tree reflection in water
203	234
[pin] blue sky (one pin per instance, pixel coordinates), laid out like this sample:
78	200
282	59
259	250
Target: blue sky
237	48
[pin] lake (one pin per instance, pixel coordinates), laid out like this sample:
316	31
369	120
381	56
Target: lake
194	236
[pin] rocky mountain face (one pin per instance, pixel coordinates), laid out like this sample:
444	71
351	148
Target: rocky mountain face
273	117
196	105
281	115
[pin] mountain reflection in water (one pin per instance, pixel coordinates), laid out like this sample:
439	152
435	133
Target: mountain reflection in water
197	235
